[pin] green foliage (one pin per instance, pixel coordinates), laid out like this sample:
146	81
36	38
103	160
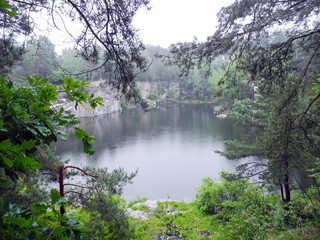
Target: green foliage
246	211
138	200
103	211
158	71
43	223
57	77
106	218
28	119
199	85
72	63
87	140
236	149
211	195
39	59
232	209
313	192
156	93
283	111
5	8
110	183
175	220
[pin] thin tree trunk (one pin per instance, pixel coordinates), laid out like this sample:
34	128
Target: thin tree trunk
287	189
61	183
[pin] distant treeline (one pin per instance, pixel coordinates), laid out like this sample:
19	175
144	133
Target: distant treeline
40	58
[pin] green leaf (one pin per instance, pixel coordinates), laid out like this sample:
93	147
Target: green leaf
13	13
31	80
58	231
98	99
39	207
88	148
5	5
20	221
55	196
63	135
5	144
28	144
3	179
64	238
79	133
61	110
7	161
70	116
32	162
44	131
7	91
61	201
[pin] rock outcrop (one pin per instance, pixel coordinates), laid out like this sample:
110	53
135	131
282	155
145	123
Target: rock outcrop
146	88
111	101
111	98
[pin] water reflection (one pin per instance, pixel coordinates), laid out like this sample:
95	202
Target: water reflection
173	148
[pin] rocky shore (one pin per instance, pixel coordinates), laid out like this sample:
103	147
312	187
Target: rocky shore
151	208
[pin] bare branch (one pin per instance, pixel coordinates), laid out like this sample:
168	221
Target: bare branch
88	174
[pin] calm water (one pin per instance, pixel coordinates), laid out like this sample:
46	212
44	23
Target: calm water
173	148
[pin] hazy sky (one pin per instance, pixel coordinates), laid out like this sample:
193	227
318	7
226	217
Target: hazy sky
171	21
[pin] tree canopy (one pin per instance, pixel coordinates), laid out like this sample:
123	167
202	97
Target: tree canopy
274	45
242	31
104	26
29	121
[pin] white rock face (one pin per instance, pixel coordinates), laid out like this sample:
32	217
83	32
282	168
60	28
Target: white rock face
111	102
137	214
111	98
146	88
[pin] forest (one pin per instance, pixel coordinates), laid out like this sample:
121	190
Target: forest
40	58
260	67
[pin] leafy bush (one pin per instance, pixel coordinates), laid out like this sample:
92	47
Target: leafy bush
212	196
244	210
44	222
103	211
106	218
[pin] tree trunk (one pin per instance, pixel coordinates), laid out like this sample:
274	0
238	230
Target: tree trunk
61	185
287	189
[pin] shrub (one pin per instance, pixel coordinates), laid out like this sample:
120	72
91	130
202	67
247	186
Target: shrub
212	197
106	218
244	210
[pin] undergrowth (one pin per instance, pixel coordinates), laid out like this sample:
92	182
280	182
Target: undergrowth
232	209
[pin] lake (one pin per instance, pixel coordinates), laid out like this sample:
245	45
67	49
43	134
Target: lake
173	148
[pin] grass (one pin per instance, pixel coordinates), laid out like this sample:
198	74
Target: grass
187	223
141	207
190	223
306	233
137	204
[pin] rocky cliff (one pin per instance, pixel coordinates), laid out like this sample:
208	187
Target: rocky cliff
111	101
111	98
